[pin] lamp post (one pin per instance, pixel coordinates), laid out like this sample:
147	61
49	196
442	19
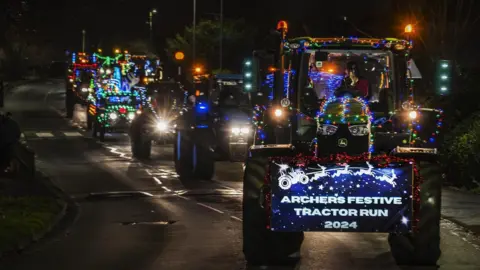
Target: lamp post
194	30
221	35
83	40
150	23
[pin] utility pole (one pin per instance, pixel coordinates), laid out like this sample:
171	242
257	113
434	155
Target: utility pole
194	30
221	35
83	40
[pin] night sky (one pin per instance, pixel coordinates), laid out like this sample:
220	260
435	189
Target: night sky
112	25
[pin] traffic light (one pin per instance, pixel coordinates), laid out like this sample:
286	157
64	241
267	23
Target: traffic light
443	77
249	75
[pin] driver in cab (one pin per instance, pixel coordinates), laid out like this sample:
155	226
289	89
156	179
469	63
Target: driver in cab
354	83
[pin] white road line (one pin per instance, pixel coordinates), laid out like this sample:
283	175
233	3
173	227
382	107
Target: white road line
44	134
185	198
157	180
211	208
236	218
148	172
72	134
168	190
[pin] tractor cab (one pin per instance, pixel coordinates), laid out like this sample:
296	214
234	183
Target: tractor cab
320	73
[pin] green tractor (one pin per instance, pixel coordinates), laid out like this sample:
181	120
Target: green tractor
340	146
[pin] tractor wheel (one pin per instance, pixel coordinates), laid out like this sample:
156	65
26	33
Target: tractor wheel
260	245
69	103
141	145
89	120
95	128
422	248
183	147
193	158
101	130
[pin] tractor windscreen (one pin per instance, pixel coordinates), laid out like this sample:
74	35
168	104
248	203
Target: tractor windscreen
230	94
366	73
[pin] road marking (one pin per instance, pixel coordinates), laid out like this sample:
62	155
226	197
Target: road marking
148	172
185	198
157	180
211	208
44	134
168	190
236	218
72	134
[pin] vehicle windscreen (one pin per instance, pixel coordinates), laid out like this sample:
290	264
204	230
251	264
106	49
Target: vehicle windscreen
348	70
83	75
231	94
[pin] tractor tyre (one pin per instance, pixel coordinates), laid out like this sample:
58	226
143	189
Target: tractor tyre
69	103
140	144
422	247
262	246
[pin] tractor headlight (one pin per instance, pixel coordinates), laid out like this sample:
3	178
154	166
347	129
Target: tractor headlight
113	116
240	130
278	112
327	130
162	126
131	115
84	90
244	130
412	115
359	130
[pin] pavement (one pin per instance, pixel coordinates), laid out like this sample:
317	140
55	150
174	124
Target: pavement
134	215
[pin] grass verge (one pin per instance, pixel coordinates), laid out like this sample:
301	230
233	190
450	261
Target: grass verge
22	219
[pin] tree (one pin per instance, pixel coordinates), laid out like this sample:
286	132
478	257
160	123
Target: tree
446	25
237	37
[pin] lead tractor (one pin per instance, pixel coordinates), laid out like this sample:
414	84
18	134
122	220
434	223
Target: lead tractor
340	146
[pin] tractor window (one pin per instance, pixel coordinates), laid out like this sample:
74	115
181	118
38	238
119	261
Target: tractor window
231	94
365	71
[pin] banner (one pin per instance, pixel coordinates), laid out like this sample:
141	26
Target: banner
348	197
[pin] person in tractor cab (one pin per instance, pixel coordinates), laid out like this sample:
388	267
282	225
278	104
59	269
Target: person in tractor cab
359	83
354	83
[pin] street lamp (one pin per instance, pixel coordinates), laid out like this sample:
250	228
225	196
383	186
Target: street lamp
221	35
150	23
83	40
194	29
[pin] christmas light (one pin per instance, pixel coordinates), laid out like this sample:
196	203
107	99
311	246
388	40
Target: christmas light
287	179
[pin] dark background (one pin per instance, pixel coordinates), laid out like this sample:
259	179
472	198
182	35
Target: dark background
112	23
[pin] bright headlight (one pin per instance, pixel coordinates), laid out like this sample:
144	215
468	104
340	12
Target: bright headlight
359	130
131	115
236	130
278	112
109	71
244	130
162	126
113	116
84	89
327	129
413	115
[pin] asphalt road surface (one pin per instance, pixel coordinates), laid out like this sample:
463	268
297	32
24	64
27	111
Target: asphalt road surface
133	215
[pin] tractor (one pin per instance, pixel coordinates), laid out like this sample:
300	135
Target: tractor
340	146
82	71
216	126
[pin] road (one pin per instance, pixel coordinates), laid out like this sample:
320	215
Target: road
133	215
